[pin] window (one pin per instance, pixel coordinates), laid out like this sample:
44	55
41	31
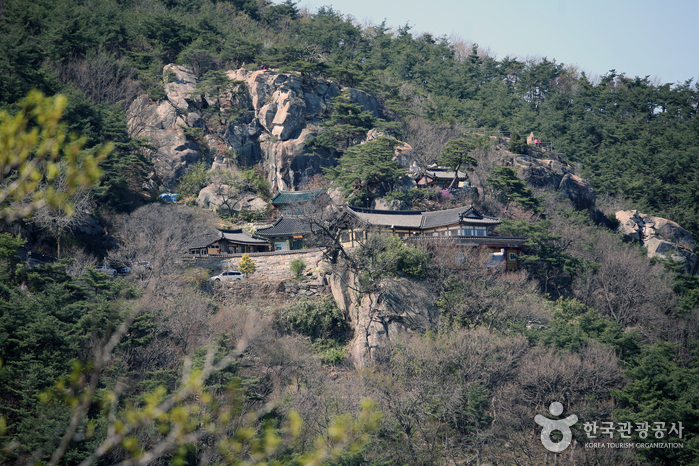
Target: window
344	237
470	230
513	256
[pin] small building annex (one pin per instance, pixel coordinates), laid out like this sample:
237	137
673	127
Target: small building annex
228	242
288	233
292	202
441	177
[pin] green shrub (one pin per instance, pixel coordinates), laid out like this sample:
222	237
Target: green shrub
401	196
333	356
331	351
194	180
247	266
254	215
157	93
297	268
316	318
385	255
257	182
518	144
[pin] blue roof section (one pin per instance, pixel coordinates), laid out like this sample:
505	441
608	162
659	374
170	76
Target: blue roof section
169	197
292	197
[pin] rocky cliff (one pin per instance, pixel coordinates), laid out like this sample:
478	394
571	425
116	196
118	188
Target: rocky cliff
400	305
273	116
554	173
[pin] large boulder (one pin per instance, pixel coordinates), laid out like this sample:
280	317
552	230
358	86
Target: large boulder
642	227
400	306
554	173
161	123
394	204
580	192
215	196
542	173
181	90
661	237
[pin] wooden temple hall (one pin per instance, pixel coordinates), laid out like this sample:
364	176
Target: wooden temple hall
460	228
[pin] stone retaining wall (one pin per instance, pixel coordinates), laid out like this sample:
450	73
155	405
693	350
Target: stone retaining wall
270	265
284	291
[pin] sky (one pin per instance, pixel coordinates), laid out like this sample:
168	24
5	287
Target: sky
655	38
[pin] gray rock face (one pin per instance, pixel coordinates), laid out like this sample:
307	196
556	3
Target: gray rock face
159	123
284	115
215	196
660	237
278	114
579	191
556	174
541	173
401	306
180	92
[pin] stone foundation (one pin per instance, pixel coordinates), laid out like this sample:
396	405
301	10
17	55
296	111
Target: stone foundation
275	266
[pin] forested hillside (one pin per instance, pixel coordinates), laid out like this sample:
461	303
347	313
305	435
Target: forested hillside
633	136
164	366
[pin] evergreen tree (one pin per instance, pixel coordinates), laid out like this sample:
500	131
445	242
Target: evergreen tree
545	257
457	153
367	170
509	188
662	389
348	125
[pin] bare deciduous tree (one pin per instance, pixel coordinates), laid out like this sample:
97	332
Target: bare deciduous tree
428	138
57	222
80	262
102	78
153	239
623	284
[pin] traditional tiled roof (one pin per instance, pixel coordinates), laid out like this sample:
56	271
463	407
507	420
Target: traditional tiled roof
202	240
241	236
292	197
444	173
419	220
238	236
410	219
286	226
466	214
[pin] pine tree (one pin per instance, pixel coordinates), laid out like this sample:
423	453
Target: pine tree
509	188
364	168
457	153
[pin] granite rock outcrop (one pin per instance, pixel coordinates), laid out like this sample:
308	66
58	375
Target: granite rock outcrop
399	306
662	238
265	118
